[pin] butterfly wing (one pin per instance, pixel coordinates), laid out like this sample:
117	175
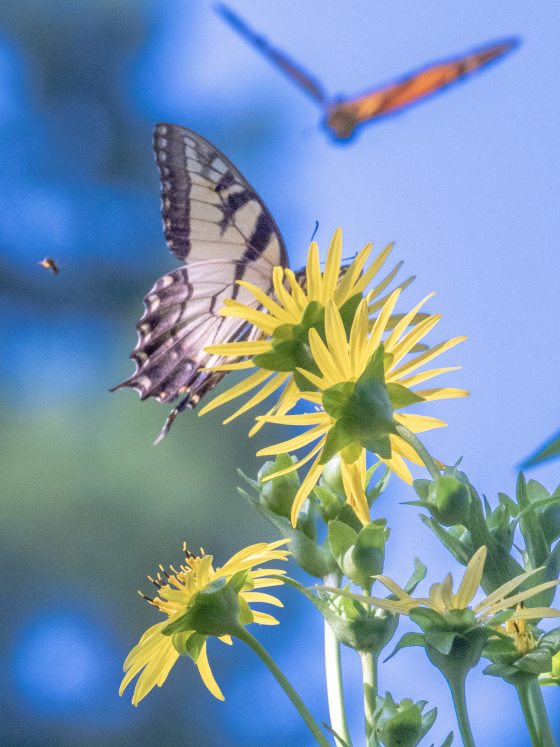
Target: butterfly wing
345	116
278	58
216	223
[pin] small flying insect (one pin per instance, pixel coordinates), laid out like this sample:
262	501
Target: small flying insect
342	115
50	264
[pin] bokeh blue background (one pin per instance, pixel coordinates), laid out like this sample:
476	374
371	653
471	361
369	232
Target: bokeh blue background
467	184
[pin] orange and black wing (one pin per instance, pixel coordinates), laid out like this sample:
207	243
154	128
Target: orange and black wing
343	117
278	58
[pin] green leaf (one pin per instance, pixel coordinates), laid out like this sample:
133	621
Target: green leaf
422	488
448	741
535	541
457	548
282	357
441	640
427	619
537	661
401	396
418	575
336	397
339	436
407	641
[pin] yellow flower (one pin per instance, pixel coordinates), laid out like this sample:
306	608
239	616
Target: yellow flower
521	632
281	328
442	599
155	654
343	362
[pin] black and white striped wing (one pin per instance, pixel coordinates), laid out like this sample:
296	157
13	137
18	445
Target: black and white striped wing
216	223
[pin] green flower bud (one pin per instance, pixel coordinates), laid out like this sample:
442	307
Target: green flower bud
401	724
360	555
331	477
449	501
278	494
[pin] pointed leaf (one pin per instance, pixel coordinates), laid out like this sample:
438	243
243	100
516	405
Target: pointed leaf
408	640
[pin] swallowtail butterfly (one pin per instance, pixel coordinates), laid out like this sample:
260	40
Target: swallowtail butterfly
343	115
50	264
217	225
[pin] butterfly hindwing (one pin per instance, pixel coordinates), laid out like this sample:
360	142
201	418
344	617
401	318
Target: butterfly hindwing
215	222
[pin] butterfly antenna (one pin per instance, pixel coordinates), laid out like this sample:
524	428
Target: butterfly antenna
314	231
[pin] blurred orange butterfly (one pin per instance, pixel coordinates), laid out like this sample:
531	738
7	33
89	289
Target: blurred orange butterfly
342	116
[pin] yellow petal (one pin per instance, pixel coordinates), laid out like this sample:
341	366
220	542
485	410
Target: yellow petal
296	465
284	297
239	348
295	443
358	339
346	288
353	479
373	269
418	378
324	359
423	358
380	323
271	386
397	465
259	596
305	488
417	332
336	339
471	580
418	423
267	302
332	265
441	393
206	674
405	322
313	272
236	391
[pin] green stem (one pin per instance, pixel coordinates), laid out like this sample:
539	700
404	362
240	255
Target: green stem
408	436
457	687
244	635
333	672
523	694
540	715
369	678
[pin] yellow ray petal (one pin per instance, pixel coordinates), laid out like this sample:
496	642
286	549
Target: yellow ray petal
284	297
345	289
239	366
373	269
379	324
286	401
358	337
271	386
336	339
313	272
397	465
264	322
332	265
236	391
305	488
418	378
324	360
442	393
206	674
297	292
405	322
419	331
418	423
353	479
295	443
267	302
259	596
471	580
239	348
423	358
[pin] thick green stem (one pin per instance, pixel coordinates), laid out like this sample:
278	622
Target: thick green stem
540	715
408	436
244	635
333	674
523	694
457	687
369	678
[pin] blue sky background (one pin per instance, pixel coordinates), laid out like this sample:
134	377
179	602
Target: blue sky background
465	183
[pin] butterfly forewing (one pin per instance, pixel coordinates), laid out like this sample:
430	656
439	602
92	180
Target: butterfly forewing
216	223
